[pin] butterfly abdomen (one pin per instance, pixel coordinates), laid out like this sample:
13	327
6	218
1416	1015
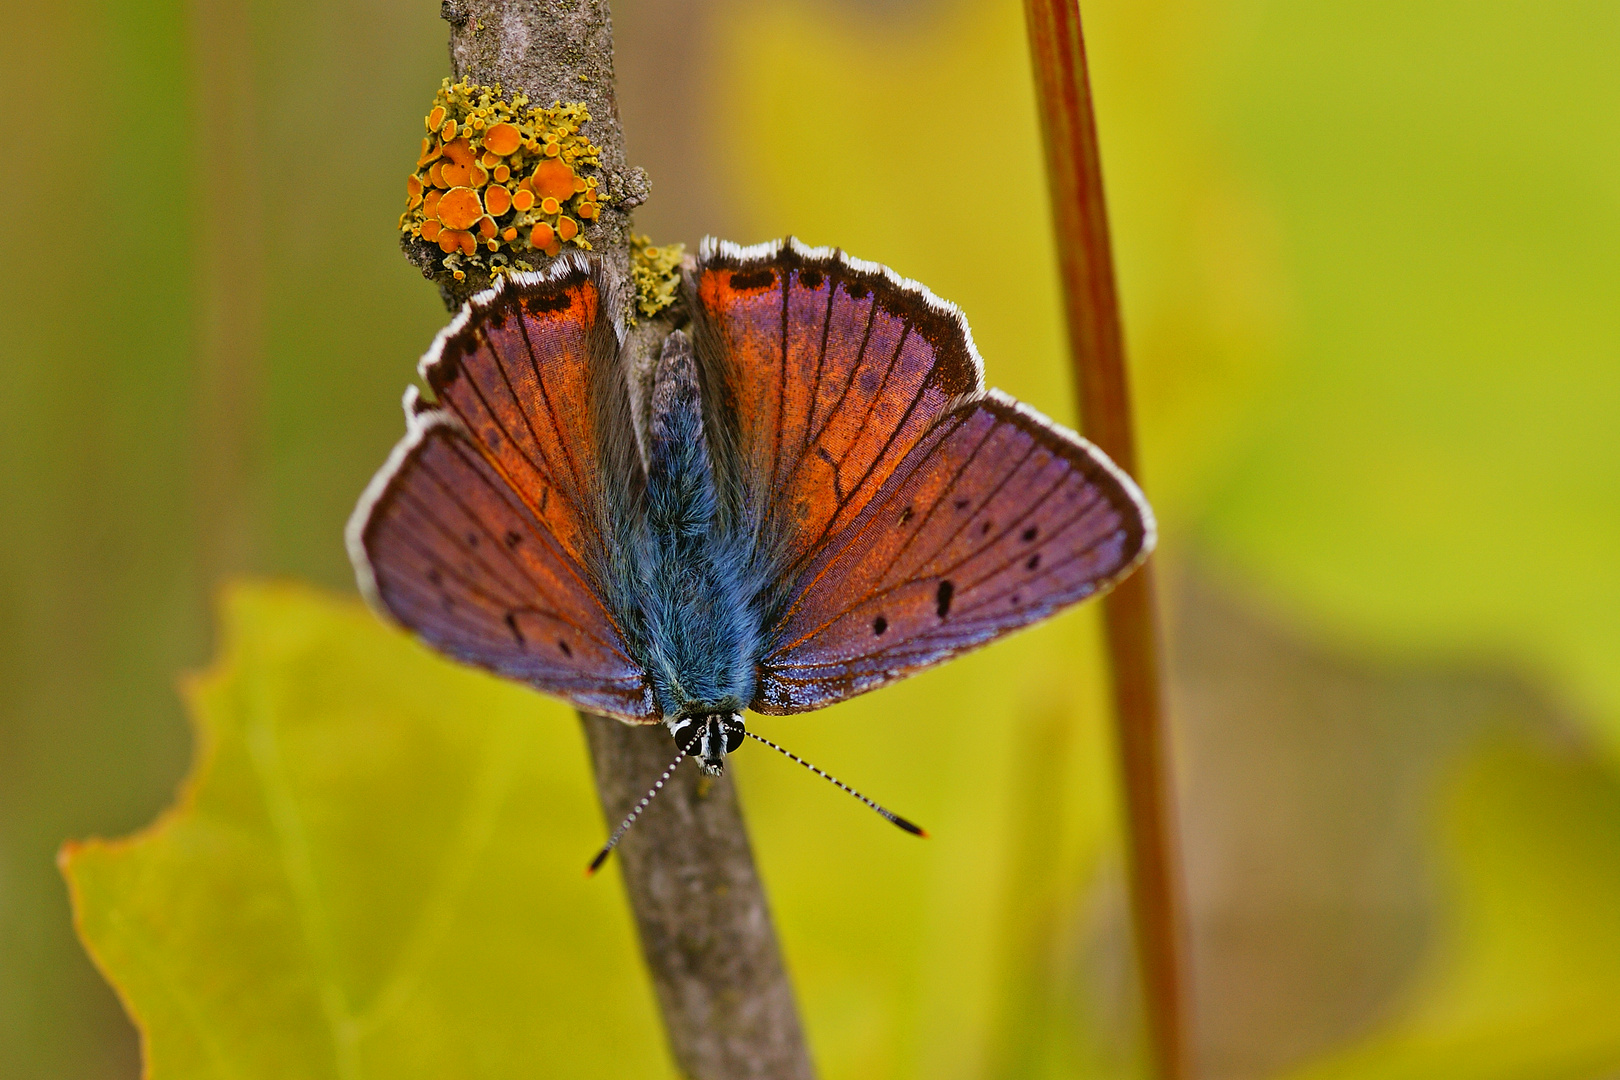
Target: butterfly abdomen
702	636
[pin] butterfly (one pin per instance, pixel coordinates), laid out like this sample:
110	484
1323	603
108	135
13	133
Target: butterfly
807	494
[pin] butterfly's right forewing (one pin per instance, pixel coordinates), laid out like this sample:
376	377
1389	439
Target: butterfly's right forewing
486	533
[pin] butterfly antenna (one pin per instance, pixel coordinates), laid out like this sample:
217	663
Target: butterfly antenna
624	826
910	827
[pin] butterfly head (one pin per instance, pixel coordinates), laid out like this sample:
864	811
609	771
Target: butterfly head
709	737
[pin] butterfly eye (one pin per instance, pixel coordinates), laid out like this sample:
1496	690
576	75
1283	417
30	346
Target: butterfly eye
735	734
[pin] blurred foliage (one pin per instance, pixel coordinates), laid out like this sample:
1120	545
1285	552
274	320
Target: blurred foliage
1526	979
1367	263
374	870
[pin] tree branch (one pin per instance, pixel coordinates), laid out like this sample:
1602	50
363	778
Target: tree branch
700	908
701	912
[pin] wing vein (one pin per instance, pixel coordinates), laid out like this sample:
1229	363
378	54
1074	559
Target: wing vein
563	560
879	594
547	474
551	414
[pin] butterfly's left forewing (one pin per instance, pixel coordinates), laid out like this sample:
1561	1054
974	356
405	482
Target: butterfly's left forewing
997	519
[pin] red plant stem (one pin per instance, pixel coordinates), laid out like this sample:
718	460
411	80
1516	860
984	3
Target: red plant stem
1096	342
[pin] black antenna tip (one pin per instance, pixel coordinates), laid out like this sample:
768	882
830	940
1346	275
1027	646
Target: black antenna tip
913	829
596	863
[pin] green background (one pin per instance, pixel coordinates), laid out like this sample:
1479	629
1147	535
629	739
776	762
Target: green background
1368	258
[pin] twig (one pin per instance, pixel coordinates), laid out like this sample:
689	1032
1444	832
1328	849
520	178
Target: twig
701	912
553	51
1091	305
700	908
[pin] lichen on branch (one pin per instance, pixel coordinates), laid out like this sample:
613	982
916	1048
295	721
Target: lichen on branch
497	179
656	272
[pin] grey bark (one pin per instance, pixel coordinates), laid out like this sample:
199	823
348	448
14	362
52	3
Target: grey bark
701	912
553	51
700	908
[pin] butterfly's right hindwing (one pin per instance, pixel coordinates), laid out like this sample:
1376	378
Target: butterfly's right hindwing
1000	519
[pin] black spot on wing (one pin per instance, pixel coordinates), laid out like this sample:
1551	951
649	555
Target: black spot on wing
559	301
759	278
879	625
943	597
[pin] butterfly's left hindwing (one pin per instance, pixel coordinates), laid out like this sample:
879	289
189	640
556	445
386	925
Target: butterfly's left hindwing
488	532
996	520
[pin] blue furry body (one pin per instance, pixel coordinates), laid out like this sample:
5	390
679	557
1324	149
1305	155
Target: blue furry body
699	631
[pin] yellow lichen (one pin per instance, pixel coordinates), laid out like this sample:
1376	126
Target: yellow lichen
496	178
656	272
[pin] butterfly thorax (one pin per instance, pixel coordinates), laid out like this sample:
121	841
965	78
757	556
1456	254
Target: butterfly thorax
699	632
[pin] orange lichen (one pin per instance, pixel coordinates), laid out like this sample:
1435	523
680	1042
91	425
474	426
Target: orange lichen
553	178
453	175
460	207
502	139
466	196
459	151
452	240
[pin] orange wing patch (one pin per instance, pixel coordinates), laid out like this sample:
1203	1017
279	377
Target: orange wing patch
828	372
519	374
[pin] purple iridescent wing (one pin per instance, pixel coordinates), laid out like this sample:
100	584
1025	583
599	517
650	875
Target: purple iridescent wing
997	519
907	514
485	533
